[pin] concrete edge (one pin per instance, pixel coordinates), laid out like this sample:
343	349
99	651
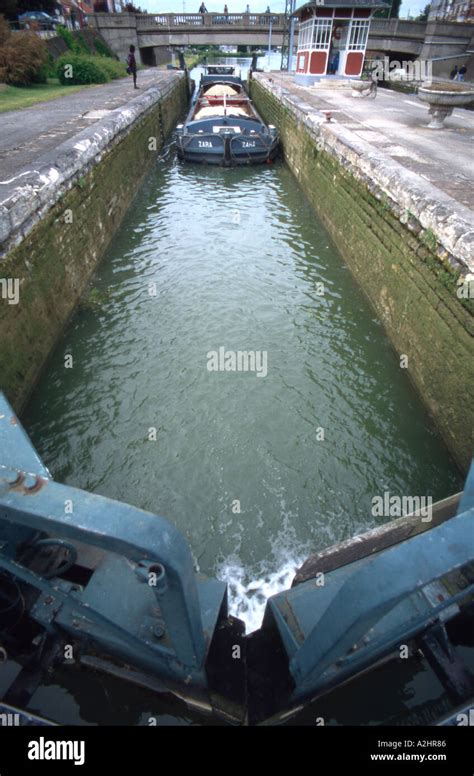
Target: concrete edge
451	222
25	205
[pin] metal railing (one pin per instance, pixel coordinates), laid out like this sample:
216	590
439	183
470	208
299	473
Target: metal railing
40	28
172	20
398	27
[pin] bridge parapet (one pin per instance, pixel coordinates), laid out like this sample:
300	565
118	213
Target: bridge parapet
397	27
392	36
180	20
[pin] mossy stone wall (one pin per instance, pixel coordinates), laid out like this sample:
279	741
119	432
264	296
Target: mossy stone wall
413	292
56	259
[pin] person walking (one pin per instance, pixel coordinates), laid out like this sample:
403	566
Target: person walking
462	73
132	66
453	73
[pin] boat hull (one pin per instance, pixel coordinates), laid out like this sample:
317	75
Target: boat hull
231	151
224	129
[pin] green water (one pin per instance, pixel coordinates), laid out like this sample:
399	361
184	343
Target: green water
236	258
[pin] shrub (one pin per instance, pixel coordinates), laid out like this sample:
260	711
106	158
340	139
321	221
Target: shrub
5	30
113	68
81	69
22	56
47	70
102	48
81	43
75	43
67	37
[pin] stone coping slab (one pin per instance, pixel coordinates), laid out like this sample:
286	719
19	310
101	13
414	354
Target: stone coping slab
30	193
412	197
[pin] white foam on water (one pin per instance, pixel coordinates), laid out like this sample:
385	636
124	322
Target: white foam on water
248	596
249	589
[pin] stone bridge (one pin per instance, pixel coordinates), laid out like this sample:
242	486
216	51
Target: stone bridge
154	34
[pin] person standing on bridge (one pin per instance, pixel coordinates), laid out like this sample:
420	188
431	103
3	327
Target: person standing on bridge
226	11
132	65
202	8
247	9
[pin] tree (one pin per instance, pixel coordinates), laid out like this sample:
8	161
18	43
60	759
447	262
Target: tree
22	55
391	11
9	9
13	8
395	9
423	17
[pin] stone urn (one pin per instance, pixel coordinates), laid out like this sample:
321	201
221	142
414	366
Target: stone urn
442	98
358	86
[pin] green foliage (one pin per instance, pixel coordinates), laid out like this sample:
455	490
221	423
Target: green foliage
395	9
81	44
67	36
81	69
47	70
113	67
95	300
47	6
390	12
22	56
429	238
75	43
102	48
423	17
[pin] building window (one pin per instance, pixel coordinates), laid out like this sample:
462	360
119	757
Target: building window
322	34
315	34
305	35
358	35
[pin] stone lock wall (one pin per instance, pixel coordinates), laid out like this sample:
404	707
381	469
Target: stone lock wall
101	170
410	273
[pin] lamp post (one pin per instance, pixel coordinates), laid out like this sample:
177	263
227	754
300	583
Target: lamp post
269	43
292	35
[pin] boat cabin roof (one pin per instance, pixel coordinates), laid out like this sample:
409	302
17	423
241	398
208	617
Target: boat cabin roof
219	90
215	79
206	112
219	69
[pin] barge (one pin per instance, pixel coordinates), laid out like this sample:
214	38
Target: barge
223	128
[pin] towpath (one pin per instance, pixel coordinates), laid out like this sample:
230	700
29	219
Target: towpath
28	134
397	124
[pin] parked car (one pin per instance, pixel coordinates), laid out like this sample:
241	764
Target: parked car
45	21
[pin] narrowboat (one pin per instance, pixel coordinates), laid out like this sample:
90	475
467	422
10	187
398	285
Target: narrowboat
223	127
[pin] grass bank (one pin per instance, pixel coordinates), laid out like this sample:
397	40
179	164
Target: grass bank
17	97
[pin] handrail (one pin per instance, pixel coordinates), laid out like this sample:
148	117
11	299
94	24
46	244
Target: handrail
209	19
148	542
